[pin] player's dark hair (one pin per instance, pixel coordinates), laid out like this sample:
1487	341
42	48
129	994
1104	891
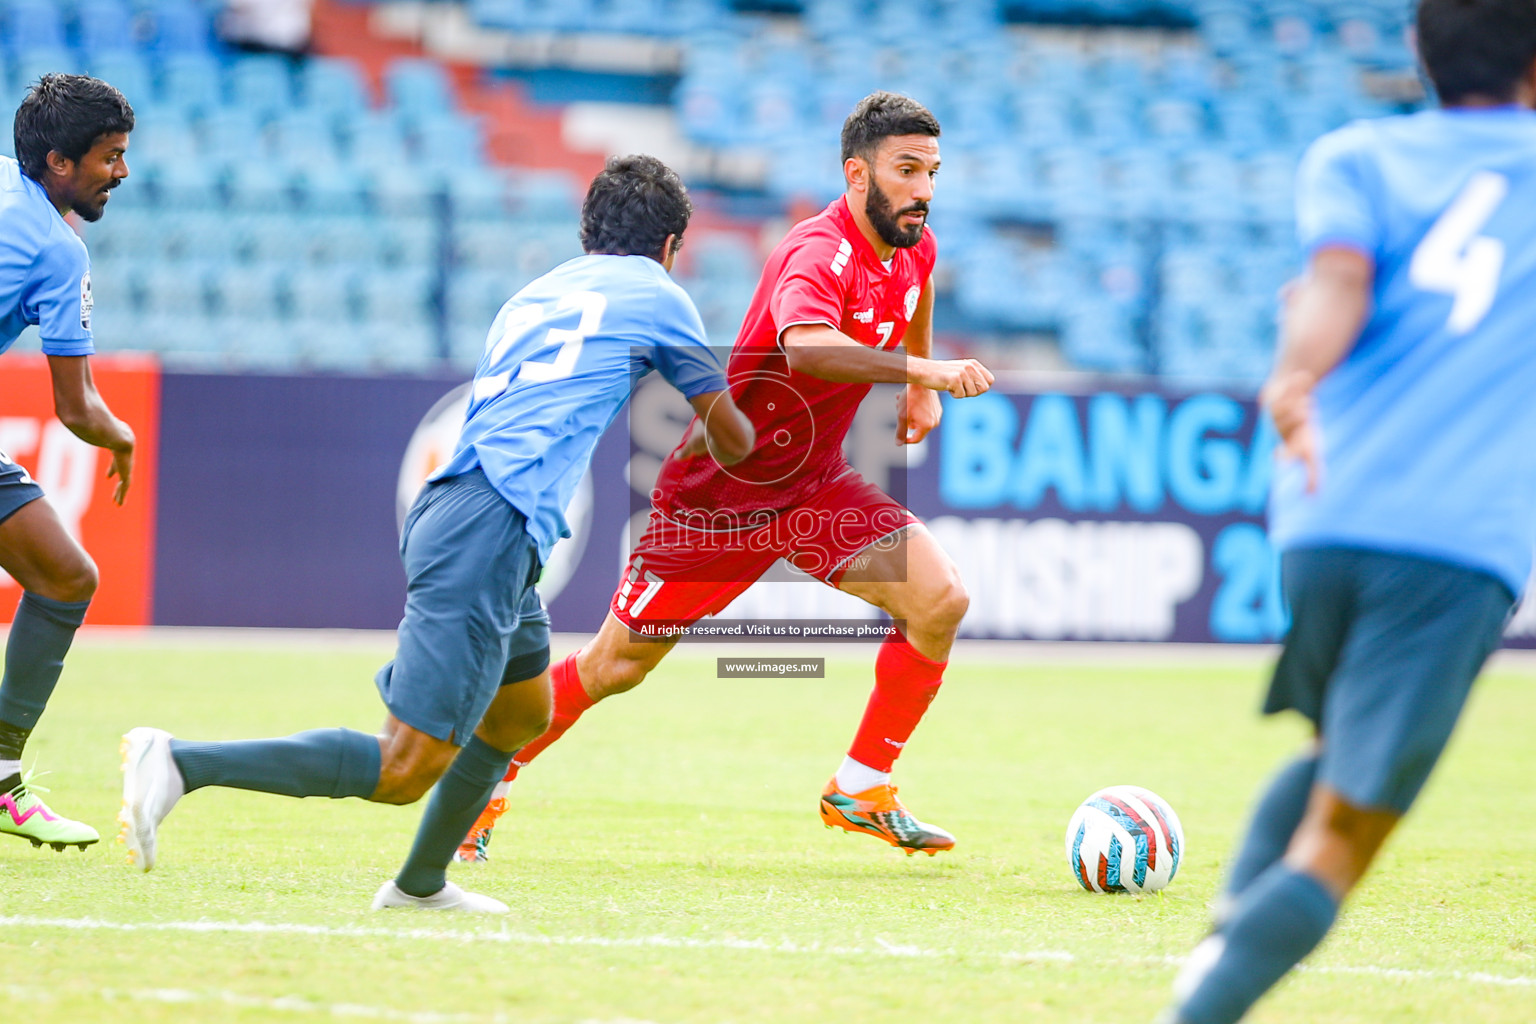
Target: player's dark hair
633	204
1476	47
67	113
881	115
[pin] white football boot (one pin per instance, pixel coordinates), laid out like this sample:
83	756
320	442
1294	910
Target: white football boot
151	786
449	897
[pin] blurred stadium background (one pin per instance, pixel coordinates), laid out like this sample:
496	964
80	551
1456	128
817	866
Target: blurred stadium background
1116	194
331	199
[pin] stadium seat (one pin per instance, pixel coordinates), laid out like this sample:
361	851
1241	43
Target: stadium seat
190	81
231	134
180	27
258	185
322	293
33	25
414	240
168	289
105	26
333	85
304	137
253	292
257	344
33	64
418	87
401	297
262	84
129	72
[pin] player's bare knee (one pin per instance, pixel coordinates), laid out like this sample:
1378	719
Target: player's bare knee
517	727
943	608
625	674
73	582
404	781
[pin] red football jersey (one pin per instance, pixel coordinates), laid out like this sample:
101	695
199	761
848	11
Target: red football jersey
823	272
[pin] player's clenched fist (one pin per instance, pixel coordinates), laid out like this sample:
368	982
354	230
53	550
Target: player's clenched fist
962	378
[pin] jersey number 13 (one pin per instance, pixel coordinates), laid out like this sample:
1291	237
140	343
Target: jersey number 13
566	343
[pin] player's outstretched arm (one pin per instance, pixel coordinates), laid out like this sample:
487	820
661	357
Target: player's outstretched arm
1324	312
721	429
820	351
80	407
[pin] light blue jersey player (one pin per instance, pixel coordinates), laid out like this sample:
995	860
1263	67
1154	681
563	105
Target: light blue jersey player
71	133
1406	512
469	683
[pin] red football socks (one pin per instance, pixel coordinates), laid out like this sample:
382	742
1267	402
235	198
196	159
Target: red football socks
570	701
905	684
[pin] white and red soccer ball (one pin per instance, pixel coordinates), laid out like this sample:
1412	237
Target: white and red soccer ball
1124	839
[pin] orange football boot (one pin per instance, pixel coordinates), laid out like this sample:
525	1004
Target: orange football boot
473	849
878	812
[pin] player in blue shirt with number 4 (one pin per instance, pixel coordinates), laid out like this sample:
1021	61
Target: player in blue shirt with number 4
1405	512
71	133
469	684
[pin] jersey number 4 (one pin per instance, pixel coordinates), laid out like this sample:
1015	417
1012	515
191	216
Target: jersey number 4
566	342
1455	260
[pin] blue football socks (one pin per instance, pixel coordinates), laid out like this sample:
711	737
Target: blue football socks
1274	821
457	801
322	762
40	636
1278	920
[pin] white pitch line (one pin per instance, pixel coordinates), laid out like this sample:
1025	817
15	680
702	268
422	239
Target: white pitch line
881	947
281	1004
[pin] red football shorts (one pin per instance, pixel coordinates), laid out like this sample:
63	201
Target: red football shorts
687	567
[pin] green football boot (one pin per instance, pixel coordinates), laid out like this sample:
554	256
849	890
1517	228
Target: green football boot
23	813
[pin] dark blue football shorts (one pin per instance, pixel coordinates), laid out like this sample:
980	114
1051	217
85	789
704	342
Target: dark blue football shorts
1381	655
473	620
17	488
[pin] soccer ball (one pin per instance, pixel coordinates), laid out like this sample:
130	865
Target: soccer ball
1124	839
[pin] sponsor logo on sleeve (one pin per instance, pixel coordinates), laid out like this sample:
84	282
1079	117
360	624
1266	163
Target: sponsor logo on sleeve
87	301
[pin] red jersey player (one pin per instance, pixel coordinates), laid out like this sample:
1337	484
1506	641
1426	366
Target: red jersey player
837	297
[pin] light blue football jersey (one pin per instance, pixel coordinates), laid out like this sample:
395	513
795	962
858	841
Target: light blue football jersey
45	274
560	361
1428	425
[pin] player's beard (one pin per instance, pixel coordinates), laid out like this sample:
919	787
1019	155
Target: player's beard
877	207
93	210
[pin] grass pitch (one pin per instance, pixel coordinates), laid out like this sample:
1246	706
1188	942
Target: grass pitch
665	862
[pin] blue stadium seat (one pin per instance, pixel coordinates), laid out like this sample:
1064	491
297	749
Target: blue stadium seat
259	186
180	27
376	140
322	293
34	25
400	297
411	240
170	289
262	84
129	72
30	65
1097	335
401	350
334	85
418	87
254	292
231	134
257	344
199	236
330	187
304	137
105	26
190	81
448	142
184	184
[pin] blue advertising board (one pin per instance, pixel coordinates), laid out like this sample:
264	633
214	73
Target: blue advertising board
1110	514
